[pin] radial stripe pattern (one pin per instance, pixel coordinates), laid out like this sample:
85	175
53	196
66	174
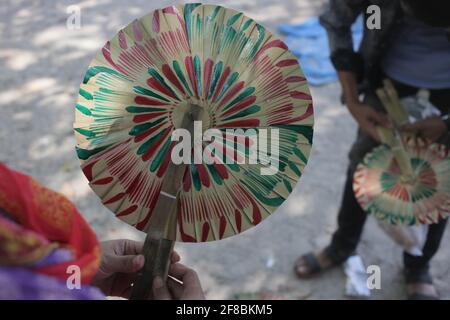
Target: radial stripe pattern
380	190
241	76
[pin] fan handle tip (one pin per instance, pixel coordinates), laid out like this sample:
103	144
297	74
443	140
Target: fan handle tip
157	254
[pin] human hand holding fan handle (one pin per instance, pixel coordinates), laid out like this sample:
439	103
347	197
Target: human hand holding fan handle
158	250
431	129
405	181
157	253
369	119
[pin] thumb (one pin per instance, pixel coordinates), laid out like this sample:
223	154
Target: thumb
160	290
381	119
411	126
126	264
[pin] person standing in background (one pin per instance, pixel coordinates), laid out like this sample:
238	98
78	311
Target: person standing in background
412	49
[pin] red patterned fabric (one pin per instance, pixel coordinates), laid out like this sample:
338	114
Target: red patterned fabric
48	220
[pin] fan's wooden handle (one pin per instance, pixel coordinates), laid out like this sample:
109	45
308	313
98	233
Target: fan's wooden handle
157	249
157	254
389	98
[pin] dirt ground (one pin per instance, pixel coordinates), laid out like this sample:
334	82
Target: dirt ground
41	67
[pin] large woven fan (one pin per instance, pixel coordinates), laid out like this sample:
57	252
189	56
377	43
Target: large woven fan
166	70
404	181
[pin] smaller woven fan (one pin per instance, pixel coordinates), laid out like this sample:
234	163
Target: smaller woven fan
405	180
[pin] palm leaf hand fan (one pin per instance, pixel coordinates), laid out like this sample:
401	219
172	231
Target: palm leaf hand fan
406	180
169	70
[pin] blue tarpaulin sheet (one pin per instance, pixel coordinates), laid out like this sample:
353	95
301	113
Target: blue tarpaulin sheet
308	41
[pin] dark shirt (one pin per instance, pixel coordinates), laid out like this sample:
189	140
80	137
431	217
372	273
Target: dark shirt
419	55
366	62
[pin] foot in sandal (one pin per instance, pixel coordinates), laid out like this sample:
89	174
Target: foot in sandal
312	263
419	285
422	291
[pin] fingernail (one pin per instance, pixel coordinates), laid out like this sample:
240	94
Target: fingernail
158	283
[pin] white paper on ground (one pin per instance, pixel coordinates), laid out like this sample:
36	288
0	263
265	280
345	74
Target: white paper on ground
356	282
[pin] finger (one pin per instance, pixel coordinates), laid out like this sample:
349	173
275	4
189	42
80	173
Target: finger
178	271
175	287
175	257
186	275
191	288
132	247
411	126
381	119
423	141
191	282
126	264
373	133
160	290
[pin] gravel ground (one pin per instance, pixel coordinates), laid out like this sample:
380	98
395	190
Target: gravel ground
41	66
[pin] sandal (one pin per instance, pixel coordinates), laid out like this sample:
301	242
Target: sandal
312	264
419	278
